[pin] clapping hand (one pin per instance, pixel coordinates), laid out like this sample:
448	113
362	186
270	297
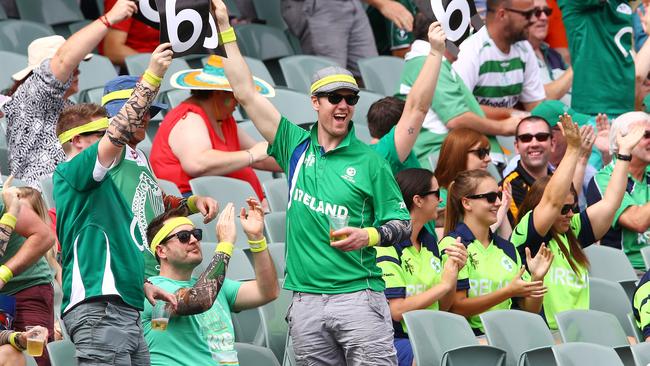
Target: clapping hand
437	38
570	131
631	139
540	263
252	221
226	230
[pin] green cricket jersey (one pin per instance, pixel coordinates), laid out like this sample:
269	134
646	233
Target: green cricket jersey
385	147
600	39
388	36
637	194
487	269
100	254
350	180
408	272
38	273
207	338
567	290
642	305
452	98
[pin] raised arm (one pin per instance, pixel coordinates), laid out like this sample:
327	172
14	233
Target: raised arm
395	12
559	185
558	88
601	214
130	118
263	114
70	54
419	98
588	138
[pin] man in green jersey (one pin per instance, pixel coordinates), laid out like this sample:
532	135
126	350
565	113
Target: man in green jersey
630	230
103	268
339	314
642	306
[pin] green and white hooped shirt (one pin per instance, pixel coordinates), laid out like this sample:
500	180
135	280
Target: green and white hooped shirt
567	290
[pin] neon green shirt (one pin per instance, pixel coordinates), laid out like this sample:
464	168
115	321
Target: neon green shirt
642	305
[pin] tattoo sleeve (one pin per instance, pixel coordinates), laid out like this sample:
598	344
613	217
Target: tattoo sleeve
130	118
5	234
4	336
394	231
201	296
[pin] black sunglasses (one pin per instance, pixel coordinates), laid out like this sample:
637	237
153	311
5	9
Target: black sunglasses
491	197
481	152
546	10
534	11
185	235
570	207
527	137
336	98
646	135
436	192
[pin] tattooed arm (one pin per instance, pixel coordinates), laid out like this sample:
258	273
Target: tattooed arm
394	231
130	120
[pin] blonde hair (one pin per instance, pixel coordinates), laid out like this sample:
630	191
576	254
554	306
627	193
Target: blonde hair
36	201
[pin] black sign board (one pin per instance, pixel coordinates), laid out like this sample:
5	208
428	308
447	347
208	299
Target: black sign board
457	17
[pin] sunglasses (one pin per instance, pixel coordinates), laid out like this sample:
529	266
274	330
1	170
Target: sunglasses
491	197
436	193
335	98
527	137
570	207
534	11
185	235
481	152
646	135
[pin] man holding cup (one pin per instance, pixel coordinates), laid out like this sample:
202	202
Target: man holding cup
339	314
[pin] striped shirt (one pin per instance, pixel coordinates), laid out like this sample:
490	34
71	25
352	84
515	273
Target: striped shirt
498	79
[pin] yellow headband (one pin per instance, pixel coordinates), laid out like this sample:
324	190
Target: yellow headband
167	228
332	79
118	94
96	125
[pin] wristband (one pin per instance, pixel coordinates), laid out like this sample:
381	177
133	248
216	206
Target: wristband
151	78
191	204
8	220
225	248
227	36
257	245
104	20
250	157
14	342
618	156
5	274
373	236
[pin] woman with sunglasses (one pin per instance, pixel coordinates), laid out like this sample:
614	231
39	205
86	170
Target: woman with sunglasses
493	275
550	214
413	270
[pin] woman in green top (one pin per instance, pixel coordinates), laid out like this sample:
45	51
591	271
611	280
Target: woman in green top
550	214
493	274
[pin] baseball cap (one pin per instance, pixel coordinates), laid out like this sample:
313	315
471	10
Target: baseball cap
550	110
332	78
40	50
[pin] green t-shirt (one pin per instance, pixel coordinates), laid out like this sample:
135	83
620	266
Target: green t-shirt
133	177
100	256
38	273
207	338
567	290
385	147
487	269
408	272
452	98
600	39
350	180
637	194
388	36
642	305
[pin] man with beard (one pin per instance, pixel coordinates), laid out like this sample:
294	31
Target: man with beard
498	64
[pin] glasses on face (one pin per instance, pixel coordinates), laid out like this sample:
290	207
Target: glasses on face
646	135
184	236
570	207
525	13
480	152
436	193
491	197
546	10
528	137
335	98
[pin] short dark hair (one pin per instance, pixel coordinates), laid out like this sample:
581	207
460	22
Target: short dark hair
201	94
421	24
494	4
157	223
532	119
383	115
412	182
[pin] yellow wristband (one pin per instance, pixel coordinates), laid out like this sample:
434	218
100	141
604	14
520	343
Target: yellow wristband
14	342
191	204
5	274
373	236
225	248
257	245
151	78
227	36
9	220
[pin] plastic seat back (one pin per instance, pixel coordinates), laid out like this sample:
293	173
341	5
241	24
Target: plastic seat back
276	226
62	353
277	193
251	355
582	354
262	42
609	297
591	326
298	70
11	63
382	74
16	35
366	99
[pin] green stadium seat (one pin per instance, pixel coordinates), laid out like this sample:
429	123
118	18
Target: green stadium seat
95	73
55	13
298	70
362	132
62	353
274	325
582	354
92	95
16	35
233	10
262	42
293	105
612	264
251	355
269	10
11	63
277	193
366	99
239	267
137	64
169	188
77	26
29	360
175	97
276	226
610	297
247	326
223	189
381	74
277	251
3	13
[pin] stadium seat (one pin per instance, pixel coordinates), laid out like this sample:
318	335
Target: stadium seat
95	73
263	175
612	264
209	229
173	98
11	63
293	105
367	98
381	74
523	335
76	27
362	132
169	188
47	190
269	10
298	70
276	226
262	42
92	96
582	354
137	64
442	338
145	145
4	161
16	35
58	299
609	297
62	353
55	13
274	325
638	335
239	267
645	253
233	10
3	13
641	353
508	143
29	360
251	355
224	190
247	326
289	356
276	250
277	194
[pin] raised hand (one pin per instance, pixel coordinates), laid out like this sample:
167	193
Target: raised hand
588	138
628	142
259	151
11	197
161	58
122	9
570	131
252	221
520	288
540	263
226	230
221	13
437	37
602	134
